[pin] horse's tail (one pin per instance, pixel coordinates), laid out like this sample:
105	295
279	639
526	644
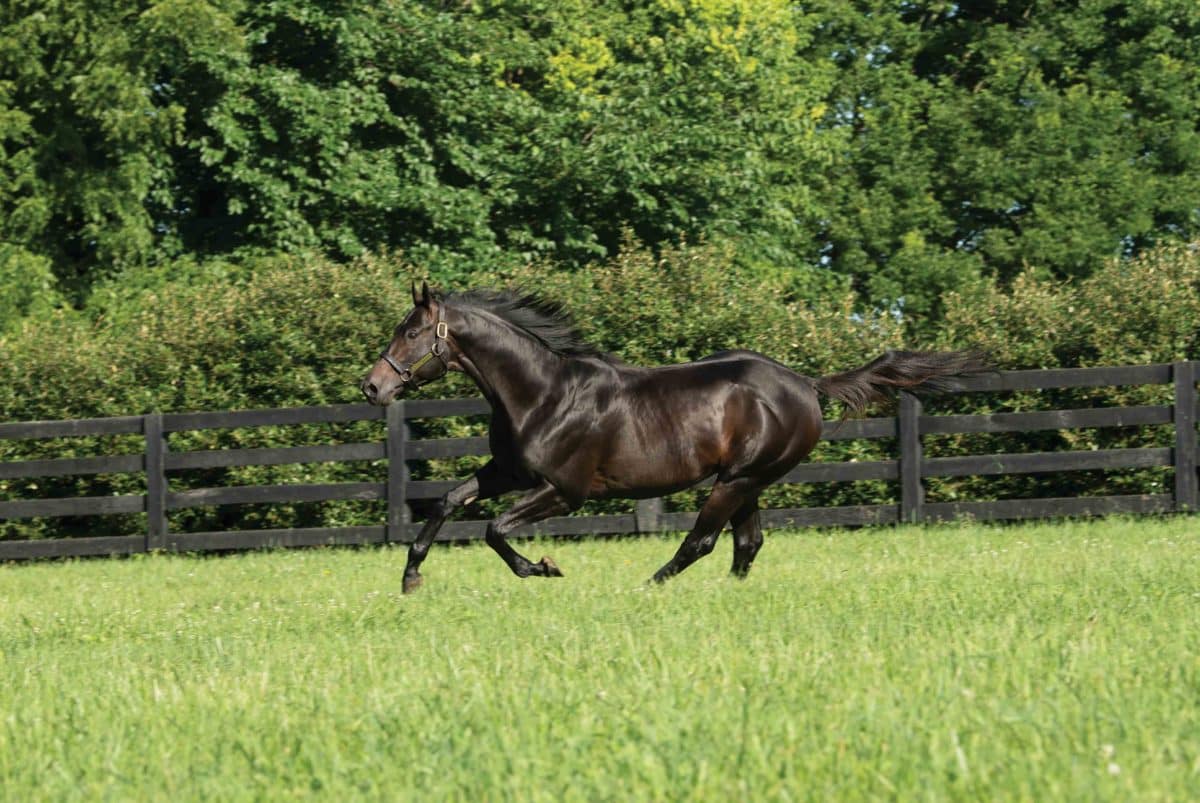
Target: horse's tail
931	371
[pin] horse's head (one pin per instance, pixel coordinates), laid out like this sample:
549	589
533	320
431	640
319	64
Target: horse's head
417	354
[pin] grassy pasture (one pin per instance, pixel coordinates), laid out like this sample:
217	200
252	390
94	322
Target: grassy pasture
1041	662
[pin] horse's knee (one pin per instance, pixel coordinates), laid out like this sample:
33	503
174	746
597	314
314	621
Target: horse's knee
703	546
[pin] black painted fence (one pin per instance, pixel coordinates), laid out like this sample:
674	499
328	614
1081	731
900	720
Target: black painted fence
909	469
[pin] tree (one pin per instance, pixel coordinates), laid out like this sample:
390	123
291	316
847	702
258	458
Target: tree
464	133
988	137
83	142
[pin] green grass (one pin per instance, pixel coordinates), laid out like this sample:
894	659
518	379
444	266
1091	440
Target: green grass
1056	662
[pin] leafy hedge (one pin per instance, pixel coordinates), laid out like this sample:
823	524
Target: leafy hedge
301	331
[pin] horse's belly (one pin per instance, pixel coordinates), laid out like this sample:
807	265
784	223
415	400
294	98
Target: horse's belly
604	487
646	465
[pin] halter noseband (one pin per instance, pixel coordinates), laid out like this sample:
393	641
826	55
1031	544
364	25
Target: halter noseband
408	375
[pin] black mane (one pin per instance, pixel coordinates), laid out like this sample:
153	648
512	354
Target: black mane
546	321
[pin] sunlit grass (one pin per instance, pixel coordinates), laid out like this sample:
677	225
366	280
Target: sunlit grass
1056	662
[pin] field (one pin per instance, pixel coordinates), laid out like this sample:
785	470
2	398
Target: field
1053	662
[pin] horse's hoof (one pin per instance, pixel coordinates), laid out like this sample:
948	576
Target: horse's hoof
411	584
551	567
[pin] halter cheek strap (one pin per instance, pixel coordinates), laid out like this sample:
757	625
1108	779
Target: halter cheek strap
408	375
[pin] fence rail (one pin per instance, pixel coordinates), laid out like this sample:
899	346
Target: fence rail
909	468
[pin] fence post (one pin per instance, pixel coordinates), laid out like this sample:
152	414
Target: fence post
398	514
156	482
647	515
912	493
1184	374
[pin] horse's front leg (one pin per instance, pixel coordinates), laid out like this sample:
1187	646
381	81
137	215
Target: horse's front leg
488	482
541	503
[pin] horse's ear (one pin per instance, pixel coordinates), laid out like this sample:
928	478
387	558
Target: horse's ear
421	297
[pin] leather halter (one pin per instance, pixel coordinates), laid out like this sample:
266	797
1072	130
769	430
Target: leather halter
408	375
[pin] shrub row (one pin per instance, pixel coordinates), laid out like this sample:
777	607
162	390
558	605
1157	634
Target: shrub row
300	331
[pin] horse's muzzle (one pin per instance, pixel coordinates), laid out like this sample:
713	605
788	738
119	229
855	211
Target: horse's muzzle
380	397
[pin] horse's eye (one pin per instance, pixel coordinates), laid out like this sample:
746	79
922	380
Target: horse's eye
411	334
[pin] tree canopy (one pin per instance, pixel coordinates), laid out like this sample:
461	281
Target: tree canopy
995	136
901	147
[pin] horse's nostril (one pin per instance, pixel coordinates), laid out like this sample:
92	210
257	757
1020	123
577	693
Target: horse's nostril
369	390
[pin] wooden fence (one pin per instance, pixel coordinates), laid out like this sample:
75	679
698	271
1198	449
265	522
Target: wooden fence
909	468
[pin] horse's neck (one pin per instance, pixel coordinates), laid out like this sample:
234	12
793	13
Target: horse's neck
513	370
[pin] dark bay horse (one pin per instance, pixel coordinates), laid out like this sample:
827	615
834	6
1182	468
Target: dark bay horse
570	423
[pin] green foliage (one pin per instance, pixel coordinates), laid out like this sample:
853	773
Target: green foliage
1128	312
984	138
290	333
84	141
904	148
27	285
684	303
1048	662
465	134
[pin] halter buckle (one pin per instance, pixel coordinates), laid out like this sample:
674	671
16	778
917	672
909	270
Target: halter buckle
442	330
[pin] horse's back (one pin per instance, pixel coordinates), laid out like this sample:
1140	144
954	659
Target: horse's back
748	370
731	412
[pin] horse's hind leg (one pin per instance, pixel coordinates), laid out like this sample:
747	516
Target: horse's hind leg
726	499
747	537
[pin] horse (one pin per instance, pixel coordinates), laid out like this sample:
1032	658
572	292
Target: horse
571	423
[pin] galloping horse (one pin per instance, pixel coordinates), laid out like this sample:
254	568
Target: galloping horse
570	423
